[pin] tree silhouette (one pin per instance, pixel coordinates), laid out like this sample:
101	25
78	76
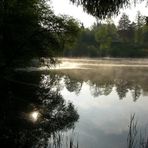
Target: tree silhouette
30	29
103	8
32	113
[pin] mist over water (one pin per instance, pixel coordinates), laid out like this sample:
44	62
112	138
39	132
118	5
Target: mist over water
73	63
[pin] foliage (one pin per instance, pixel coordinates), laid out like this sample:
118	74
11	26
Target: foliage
140	22
128	39
105	34
103	8
124	22
84	46
145	34
30	29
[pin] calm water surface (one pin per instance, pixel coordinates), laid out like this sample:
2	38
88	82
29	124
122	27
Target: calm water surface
102	93
105	97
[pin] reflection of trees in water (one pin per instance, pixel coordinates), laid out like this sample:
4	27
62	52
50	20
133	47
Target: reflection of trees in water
72	85
98	89
136	92
121	88
105	86
124	86
55	109
19	127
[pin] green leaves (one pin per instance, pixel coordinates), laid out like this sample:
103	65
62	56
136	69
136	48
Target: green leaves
105	34
31	29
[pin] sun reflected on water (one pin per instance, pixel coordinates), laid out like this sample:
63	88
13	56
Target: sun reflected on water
34	116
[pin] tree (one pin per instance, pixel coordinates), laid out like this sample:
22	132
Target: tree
124	22
85	44
105	35
103	8
125	28
131	32
69	37
145	34
30	29
140	21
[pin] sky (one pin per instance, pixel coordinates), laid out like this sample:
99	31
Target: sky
67	8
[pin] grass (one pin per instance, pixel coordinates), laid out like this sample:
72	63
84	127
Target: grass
135	138
60	140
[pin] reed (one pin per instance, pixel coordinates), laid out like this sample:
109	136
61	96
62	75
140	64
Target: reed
135	138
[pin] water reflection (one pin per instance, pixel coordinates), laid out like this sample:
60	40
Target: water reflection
107	98
35	106
32	110
34	116
72	85
99	88
103	81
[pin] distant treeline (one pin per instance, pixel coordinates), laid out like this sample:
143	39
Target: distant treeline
128	39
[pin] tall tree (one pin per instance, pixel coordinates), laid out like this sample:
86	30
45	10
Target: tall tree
145	32
123	27
131	32
124	22
105	35
140	21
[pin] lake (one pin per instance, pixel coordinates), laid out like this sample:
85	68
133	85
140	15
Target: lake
92	99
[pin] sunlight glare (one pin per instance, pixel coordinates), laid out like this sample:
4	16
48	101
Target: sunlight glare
34	115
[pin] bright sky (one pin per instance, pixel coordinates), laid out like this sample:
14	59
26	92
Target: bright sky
65	7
